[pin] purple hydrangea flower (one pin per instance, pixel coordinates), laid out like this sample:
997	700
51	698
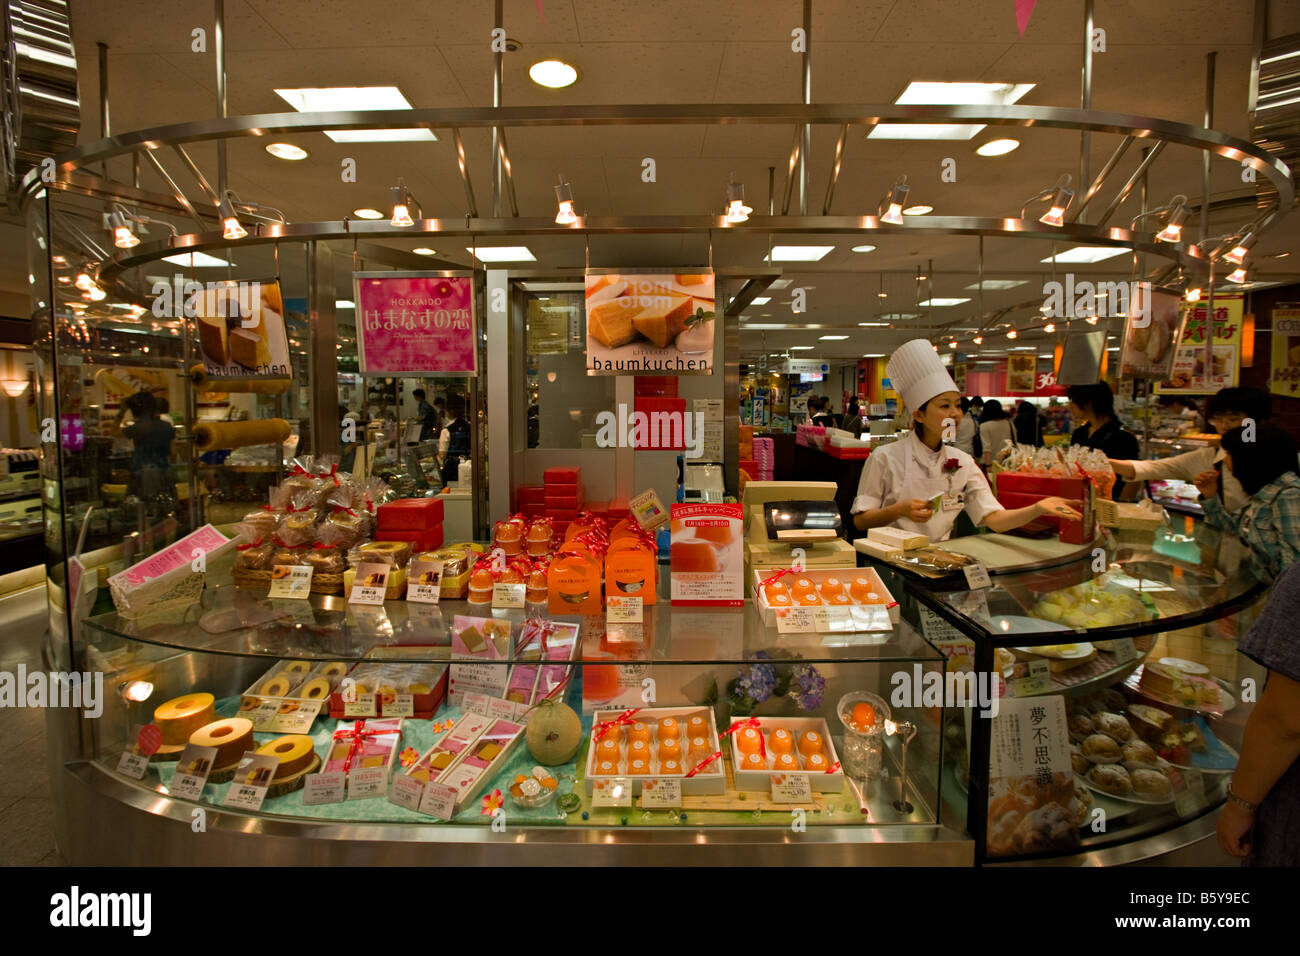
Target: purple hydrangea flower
807	686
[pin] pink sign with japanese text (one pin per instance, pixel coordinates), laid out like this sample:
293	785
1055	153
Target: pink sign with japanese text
415	323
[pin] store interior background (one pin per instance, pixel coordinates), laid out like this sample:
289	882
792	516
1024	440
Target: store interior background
867	302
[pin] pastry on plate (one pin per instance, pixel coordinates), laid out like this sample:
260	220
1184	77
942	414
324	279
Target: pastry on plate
1112	779
1101	749
1078	761
1080	726
1140	752
1114	725
1113	700
1081	804
1151	723
1151	784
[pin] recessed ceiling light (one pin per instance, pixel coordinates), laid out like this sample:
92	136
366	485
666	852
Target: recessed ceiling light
800	348
797	253
344	304
425	251
920	210
998	284
831	338
998	147
948	94
762	300
779	284
553	74
196	260
874	325
866	248
367	214
502	253
1087	254
940	303
349	98
286	151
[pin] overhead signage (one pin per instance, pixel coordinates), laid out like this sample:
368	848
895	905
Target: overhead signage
415	323
806	367
241	330
1188	377
650	323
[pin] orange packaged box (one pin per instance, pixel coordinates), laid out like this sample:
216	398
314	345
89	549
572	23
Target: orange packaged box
856	599
631	569
573	583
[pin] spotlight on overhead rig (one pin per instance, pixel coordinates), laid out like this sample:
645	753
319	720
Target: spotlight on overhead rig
1059	198
894	201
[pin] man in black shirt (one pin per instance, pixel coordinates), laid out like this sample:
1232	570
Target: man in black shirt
1094	406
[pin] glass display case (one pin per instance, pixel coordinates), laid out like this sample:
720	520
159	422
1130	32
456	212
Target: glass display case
1125	659
804	694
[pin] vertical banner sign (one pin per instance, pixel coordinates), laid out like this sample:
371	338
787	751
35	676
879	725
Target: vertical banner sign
1150	334
241	331
647	323
1284	372
1021	373
416	323
1189	375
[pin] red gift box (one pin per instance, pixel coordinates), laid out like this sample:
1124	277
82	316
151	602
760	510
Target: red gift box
531	495
656	385
430	539
410	514
567	500
562	514
566	475
1015	490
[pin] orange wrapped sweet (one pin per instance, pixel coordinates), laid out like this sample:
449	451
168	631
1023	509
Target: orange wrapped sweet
699	749
781	742
638	765
815	763
536	593
697	726
862	590
749	741
480	586
511	575
777	594
607	749
693	554
639	731
638	750
539	536
804	593
787	763
508	536
607	768
863	716
670	766
668	729
810	742
753	761
670	749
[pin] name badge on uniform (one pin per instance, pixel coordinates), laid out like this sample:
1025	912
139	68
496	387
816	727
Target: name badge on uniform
954	501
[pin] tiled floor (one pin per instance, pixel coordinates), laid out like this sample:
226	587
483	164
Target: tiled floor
26	836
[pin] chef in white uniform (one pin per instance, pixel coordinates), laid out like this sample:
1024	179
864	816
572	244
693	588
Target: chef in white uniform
920	484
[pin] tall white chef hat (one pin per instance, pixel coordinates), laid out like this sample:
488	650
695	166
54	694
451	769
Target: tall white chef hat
916	373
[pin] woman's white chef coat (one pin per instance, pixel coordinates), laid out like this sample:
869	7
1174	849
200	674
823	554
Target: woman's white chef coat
907	469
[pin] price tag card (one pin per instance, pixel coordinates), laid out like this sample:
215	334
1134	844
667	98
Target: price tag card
977	576
439	800
661	793
1124	650
1039	680
402	705
821	619
291	581
370	583
508	595
620	609
253	778
406	792
362	706
320	788
648	510
424	582
263	717
474	703
614	792
501	709
795	620
133	765
791	788
298	720
192	772
370	782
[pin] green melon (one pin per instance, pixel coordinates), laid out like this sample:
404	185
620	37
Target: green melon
554	733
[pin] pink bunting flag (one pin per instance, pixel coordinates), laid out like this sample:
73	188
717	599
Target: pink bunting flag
1024	10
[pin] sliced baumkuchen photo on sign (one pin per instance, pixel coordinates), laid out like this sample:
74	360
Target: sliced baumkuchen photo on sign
241	331
650	323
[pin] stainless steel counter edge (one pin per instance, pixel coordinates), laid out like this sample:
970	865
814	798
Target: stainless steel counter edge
104	820
1138	851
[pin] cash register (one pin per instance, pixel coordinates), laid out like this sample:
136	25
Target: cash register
781	516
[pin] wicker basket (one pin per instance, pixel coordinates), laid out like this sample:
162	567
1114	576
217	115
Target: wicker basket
246	578
327	583
1128	516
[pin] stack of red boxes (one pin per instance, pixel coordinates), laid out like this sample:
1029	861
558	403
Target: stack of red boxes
531	501
655	395
417	520
563	496
1016	490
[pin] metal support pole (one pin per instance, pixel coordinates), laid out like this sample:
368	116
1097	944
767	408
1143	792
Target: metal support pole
498	76
1205	216
806	138
471	207
771	190
1100	181
105	128
219	46
1140	260
835	169
324	374
796	151
1142	167
1085	101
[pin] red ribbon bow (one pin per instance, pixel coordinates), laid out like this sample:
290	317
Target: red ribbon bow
776	577
332	473
245	547
322	547
300	470
604	727
741	725
357	735
704	763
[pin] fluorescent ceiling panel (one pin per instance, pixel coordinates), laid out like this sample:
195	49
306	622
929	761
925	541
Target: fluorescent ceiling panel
196	260
920	93
797	254
999	284
502	253
341	98
941	303
1088	254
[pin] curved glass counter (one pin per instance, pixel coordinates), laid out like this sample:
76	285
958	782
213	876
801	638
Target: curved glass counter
1133	642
